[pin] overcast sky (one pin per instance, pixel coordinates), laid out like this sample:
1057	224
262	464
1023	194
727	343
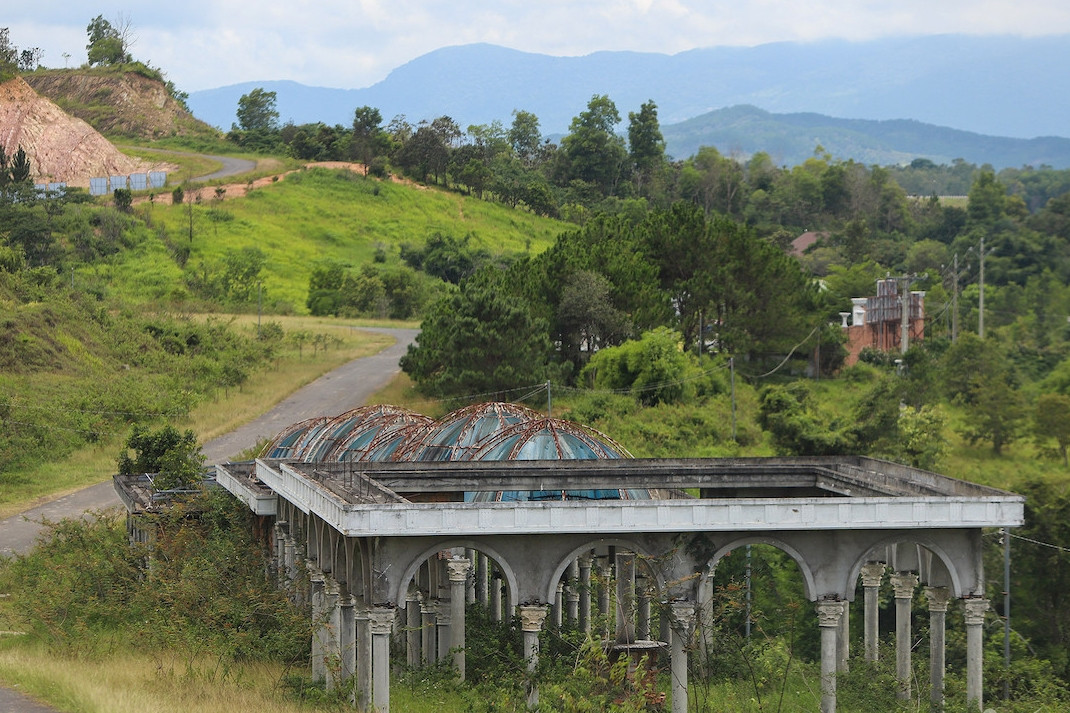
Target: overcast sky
201	44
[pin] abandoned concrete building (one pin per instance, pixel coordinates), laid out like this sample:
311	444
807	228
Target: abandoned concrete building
881	323
396	522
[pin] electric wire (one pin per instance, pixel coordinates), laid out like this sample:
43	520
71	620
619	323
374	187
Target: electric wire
1030	540
785	360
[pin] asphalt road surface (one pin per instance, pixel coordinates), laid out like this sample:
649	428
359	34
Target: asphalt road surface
231	167
348	386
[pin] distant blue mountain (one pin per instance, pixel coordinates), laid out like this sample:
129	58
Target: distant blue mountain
790	139
1001	86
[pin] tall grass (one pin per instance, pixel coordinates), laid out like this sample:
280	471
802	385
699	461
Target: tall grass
135	682
290	371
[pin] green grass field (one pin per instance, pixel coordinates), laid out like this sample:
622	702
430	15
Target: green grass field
313	215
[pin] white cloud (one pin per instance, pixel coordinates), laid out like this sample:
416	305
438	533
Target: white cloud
202	43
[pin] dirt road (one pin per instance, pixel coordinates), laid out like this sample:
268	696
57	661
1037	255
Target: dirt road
344	388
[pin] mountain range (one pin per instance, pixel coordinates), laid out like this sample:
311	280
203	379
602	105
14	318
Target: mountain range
995	92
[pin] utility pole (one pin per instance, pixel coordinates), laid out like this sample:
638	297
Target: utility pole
955	302
980	299
904	311
732	377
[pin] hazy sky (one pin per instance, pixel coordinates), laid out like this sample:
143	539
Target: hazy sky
202	44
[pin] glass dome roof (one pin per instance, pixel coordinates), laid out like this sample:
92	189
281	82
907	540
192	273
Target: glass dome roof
493	431
459	434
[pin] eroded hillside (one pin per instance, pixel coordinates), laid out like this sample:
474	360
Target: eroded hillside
61	147
123	104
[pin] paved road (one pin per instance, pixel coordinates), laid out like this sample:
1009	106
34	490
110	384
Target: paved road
12	701
344	388
231	167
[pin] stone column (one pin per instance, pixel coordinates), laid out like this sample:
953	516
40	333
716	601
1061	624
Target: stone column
585	592
470	584
427	631
481	579
642	616
532	617
364	658
496	597
903	583
458	571
347	639
843	639
572	594
975	619
319	624
289	556
606	572
442	628
278	562
625	598
682	622
332	651
381	621
938	598
829	613
872	574
412	628
559	605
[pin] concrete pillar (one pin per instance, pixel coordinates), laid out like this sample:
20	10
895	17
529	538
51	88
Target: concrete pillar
481	579
532	617
585	592
872	574
704	623
442	628
347	639
829	613
290	556
572	594
843	639
364	658
559	605
606	572
938	598
332	651
470	582
642	615
278	552
319	624
413	628
427	632
381	622
903	584
683	623
458	571
975	619
496	597
625	633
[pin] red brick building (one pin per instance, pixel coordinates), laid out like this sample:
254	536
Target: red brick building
877	321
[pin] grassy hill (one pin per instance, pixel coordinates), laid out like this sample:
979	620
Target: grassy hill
305	218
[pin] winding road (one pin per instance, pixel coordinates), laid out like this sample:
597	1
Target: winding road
348	386
231	167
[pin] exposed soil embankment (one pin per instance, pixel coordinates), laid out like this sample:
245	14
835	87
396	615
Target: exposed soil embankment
60	147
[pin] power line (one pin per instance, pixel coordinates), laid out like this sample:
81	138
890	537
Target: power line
1060	548
785	360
